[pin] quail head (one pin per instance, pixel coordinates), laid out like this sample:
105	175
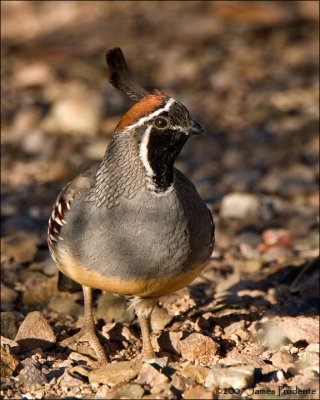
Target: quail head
134	225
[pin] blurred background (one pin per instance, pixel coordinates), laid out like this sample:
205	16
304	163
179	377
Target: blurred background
248	71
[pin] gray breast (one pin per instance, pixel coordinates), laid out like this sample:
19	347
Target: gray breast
144	237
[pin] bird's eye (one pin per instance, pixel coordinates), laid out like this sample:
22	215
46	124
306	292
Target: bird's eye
161	123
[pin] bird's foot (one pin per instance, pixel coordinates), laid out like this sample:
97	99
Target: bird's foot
88	334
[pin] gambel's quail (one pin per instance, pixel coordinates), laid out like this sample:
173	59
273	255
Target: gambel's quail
134	225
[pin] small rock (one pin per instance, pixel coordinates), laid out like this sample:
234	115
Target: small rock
160	362
196	372
162	391
31	376
39	289
120	391
47	267
313	347
309	358
68	380
276	238
78	113
197	392
37	73
20	246
198	347
11	343
277	254
244	206
235	327
283	360
8	325
180	382
7	295
300	328
235	358
111	374
35	332
159	318
151	376
113	308
169	341
64	306
239	377
251	254
8	362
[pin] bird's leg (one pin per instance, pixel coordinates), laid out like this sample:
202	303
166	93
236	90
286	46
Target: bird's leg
88	330
143	309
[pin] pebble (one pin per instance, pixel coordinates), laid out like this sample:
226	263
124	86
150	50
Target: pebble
35	332
160	318
239	377
283	360
78	113
64	306
31	376
276	238
244	206
160	362
162	391
170	341
310	358
151	376
113	308
20	246
8	325
234	358
196	372
68	380
277	254
120	391
300	328
235	327
47	267
7	295
313	347
39	289
37	73
199	348
197	392
111	374
8	361
180	382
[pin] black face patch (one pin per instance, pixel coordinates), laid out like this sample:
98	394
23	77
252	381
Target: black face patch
163	149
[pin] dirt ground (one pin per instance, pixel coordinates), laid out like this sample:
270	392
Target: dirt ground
248	326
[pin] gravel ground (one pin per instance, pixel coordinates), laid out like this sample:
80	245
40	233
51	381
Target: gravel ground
248	326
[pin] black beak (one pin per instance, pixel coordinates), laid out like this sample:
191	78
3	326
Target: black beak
195	129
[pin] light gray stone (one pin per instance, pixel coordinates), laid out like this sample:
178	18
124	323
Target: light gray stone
111	374
31	376
35	332
151	376
239	377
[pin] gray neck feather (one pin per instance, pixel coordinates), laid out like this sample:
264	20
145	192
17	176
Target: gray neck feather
120	173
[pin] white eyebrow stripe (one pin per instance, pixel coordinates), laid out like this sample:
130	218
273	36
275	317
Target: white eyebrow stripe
141	121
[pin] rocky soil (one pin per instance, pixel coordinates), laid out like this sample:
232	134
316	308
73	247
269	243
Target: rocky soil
248	326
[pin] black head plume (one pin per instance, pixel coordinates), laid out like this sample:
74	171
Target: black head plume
120	76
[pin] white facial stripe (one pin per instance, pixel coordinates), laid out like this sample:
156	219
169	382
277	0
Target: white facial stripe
150	116
145	162
144	152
